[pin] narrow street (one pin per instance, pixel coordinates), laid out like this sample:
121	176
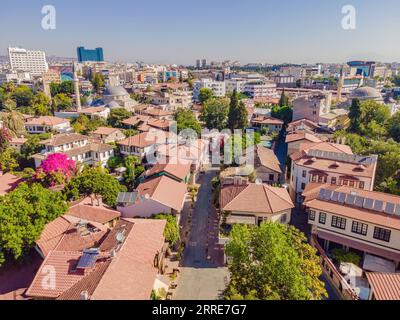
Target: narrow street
203	275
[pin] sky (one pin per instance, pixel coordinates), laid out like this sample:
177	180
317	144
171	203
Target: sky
181	31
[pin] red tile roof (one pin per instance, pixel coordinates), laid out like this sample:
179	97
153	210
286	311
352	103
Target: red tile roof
63	234
140	140
164	190
46	120
362	214
256	198
99	214
131	274
385	286
105	130
179	171
267	120
62	265
302	136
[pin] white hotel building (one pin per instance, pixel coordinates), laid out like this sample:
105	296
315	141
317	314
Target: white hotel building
28	60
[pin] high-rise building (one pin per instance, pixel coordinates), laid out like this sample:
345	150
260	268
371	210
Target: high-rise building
90	54
30	61
198	64
204	63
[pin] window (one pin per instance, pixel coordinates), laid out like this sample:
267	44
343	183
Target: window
345	182
359	228
271	177
333	180
361	185
322	217
283	218
382	234
304	173
314	179
338	222
311	215
351	183
303	186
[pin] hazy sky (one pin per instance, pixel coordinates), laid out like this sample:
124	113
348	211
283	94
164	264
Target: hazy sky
180	31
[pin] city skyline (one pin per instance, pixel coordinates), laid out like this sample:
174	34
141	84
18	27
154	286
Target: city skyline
181	32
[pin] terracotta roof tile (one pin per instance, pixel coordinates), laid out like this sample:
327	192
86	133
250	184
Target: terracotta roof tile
257	198
385	286
164	190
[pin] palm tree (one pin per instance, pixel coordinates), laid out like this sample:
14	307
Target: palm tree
13	119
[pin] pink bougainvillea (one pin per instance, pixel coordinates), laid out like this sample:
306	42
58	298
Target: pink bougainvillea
55	169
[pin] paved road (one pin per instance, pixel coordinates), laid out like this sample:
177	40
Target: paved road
202	279
281	153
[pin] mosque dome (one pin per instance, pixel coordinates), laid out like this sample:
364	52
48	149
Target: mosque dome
366	93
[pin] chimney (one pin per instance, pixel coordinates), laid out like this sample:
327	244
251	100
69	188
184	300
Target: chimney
84	295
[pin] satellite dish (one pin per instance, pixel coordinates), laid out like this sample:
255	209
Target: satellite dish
120	237
147	196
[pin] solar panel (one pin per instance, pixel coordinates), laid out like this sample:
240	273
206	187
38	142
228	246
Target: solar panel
126	197
342	197
389	208
88	259
378	205
359	201
321	194
397	210
350	199
335	196
368	203
328	194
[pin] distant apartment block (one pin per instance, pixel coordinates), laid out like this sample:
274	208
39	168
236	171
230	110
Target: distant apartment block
218	87
90	54
30	61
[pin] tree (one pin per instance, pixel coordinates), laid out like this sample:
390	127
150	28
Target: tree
62	102
205	94
56	169
67	87
237	116
24	213
94	181
117	116
8	160
98	82
285	113
215	113
394	126
84	125
372	110
355	114
5	138
185	119
272	262
171	231
13	119
22	96
41	105
284	100
133	169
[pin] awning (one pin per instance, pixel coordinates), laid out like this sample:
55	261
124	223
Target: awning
359	245
375	264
